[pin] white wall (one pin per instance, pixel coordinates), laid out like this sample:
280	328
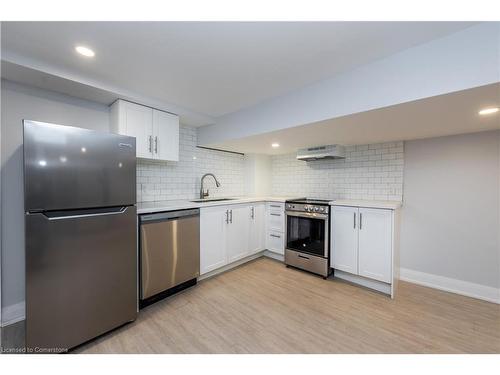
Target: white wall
460	61
18	103
450	218
368	172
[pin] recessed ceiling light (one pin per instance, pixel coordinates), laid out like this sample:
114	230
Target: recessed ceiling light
488	111
85	51
275	145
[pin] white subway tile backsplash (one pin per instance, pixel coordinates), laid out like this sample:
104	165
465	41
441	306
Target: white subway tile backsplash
181	180
372	171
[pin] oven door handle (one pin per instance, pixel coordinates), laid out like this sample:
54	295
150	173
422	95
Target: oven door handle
311	215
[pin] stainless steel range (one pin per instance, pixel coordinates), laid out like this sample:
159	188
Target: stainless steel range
307	235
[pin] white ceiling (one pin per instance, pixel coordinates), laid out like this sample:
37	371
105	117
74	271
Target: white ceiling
454	113
213	68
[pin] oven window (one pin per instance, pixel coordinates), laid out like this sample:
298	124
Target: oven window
306	235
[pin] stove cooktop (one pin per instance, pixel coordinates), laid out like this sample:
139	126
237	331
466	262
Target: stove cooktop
314	201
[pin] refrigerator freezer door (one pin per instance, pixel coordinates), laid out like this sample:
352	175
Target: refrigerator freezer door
81	275
67	168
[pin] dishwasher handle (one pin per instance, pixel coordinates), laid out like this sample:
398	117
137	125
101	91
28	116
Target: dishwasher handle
169	215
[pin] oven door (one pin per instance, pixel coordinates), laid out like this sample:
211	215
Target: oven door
307	232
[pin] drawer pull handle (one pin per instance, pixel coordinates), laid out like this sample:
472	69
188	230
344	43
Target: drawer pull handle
275	214
274	205
275	236
301	256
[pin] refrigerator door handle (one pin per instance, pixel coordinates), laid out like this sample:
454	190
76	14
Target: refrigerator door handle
78	214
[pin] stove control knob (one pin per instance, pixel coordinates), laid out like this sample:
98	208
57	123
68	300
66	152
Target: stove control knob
322	209
316	209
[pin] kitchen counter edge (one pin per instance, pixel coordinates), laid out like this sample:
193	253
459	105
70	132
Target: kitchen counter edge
174	205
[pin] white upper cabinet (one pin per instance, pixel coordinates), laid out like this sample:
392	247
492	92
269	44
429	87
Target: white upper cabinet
135	121
344	230
156	132
375	244
166	135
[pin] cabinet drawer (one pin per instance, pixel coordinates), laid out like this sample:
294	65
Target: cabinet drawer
276	220
275	206
275	242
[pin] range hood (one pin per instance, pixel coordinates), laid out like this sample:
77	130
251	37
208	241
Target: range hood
321	152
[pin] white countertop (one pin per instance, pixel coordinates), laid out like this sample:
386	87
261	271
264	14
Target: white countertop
391	205
172	205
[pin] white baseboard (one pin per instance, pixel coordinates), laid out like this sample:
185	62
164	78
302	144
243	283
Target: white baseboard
465	288
13	314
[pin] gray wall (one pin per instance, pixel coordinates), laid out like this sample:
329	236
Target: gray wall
18	103
450	219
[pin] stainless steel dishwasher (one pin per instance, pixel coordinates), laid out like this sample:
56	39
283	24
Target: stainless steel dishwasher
170	253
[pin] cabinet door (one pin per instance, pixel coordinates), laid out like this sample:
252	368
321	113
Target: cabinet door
257	228
237	236
139	124
275	242
344	239
212	238
165	136
375	244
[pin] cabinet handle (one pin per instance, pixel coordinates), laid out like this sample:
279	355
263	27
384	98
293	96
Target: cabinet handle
231	220
354	215
150	143
360	221
275	214
253	214
274	205
156	144
275	236
227	216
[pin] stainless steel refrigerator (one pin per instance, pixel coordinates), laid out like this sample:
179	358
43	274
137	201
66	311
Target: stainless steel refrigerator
81	234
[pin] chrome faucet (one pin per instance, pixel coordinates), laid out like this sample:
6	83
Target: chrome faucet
204	194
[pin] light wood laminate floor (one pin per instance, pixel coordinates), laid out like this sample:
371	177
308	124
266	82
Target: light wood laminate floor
264	307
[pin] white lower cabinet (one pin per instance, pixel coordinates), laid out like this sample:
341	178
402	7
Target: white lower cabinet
237	233
257	227
275	228
275	242
363	242
212	235
230	233
375	244
344	248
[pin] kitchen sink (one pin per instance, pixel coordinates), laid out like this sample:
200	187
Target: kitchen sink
212	200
